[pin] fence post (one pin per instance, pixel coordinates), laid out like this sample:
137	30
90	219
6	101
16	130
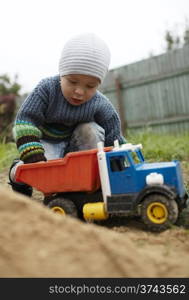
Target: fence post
121	108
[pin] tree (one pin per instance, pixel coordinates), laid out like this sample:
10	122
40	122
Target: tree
7	86
9	90
175	41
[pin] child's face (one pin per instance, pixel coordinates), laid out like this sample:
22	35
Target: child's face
78	89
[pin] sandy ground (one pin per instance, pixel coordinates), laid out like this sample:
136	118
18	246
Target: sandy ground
35	242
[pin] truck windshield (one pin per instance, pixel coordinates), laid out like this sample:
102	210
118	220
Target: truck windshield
121	162
137	157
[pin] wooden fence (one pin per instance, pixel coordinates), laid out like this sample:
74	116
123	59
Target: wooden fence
152	93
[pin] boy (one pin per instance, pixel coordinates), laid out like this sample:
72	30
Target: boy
66	113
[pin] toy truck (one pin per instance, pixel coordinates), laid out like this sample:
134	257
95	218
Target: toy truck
99	183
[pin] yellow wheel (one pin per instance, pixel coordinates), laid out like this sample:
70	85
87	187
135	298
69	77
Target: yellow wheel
63	207
159	212
58	209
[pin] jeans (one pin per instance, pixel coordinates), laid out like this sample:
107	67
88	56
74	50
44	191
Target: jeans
85	136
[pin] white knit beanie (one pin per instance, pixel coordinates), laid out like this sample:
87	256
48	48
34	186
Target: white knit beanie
85	54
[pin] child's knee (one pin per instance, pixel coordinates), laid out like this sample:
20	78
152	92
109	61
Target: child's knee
89	130
86	136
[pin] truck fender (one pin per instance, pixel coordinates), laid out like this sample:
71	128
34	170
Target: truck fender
156	189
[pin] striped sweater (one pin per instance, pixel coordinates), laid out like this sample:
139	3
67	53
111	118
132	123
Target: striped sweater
46	114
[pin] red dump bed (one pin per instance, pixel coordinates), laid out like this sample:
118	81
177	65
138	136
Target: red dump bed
77	171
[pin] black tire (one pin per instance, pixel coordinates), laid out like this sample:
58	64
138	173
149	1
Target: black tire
63	206
159	212
183	218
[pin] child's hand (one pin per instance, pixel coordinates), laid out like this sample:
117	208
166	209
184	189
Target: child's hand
35	160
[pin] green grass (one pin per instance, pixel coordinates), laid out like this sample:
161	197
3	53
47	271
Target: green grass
162	147
7	153
156	147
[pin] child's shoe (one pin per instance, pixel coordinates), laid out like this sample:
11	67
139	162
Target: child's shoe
21	188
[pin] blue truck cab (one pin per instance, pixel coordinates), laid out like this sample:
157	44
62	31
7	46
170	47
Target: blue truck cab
132	186
128	172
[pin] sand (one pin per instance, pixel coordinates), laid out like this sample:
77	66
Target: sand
35	242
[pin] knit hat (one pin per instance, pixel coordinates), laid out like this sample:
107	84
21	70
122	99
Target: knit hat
85	54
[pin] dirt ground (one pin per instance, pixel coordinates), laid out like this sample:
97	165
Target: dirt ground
35	242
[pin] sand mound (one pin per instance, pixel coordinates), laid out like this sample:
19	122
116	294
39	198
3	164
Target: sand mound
35	242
